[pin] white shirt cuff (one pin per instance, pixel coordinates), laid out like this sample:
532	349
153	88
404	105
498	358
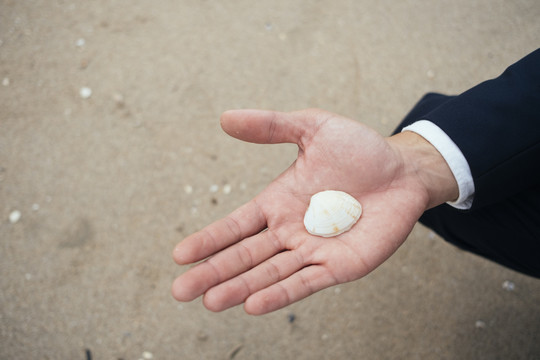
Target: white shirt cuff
454	158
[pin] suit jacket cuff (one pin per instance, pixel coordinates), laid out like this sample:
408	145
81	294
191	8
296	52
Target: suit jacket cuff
453	157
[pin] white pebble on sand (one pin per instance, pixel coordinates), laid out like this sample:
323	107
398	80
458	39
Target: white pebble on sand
85	92
480	324
5	81
508	285
14	216
214	188
227	189
147	355
80	42
188	189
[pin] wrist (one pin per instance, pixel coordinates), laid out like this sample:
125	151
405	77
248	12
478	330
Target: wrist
424	166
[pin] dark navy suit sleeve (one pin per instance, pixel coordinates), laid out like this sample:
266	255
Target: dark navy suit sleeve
496	125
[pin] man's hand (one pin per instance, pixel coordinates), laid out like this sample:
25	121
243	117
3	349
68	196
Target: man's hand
394	179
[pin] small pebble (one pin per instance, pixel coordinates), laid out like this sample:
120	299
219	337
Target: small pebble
80	42
202	336
147	355
188	189
291	318
214	188
119	99
337	291
508	285
84	64
234	351
5	81
35	207
227	189
14	216
430	74
480	324
85	92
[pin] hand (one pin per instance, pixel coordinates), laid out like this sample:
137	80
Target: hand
267	270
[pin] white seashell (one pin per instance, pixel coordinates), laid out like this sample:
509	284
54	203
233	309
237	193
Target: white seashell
331	213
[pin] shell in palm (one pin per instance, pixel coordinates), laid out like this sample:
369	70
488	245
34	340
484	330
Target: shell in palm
331	213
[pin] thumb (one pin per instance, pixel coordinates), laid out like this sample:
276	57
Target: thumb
267	127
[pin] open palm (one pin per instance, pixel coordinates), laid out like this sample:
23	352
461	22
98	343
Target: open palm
261	255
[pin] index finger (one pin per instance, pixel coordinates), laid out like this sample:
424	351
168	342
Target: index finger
245	221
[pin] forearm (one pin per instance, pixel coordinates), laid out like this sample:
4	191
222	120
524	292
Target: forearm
496	126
